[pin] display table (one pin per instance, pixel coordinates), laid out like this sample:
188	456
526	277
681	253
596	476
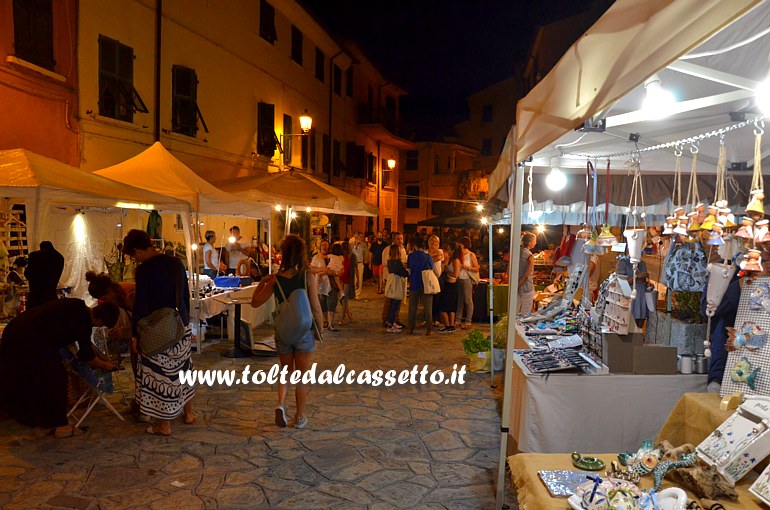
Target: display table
211	306
566	412
694	417
532	494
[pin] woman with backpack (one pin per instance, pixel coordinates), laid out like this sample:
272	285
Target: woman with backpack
295	351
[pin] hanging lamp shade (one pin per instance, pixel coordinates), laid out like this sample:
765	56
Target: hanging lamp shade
606	238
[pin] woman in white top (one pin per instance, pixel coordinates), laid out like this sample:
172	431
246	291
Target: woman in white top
526	268
437	254
470	264
210	255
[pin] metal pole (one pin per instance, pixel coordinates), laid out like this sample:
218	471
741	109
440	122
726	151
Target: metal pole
270	246
515	189
491	306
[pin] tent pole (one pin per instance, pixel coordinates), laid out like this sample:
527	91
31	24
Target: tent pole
515	188
491	306
270	246
197	282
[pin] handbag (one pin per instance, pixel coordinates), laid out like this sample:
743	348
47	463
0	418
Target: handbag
159	330
474	276
293	317
430	283
395	288
684	268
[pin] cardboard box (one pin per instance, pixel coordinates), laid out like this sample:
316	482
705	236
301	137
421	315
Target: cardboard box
618	351
654	359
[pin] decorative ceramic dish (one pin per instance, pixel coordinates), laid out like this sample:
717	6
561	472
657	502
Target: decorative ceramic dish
587	463
672	498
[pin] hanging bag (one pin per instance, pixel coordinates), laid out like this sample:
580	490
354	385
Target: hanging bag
430	283
685	268
395	288
161	329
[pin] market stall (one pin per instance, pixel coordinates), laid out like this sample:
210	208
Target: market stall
713	130
75	209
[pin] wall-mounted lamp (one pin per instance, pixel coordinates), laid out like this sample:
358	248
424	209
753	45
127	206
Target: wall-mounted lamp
391	164
658	101
305	122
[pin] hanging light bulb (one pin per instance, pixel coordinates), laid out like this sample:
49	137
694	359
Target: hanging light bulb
293	215
479	207
307	209
762	96
501	230
231	239
658	102
484	220
194	246
556	179
540	229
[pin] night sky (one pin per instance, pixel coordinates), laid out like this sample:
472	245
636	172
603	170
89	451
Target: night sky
440	51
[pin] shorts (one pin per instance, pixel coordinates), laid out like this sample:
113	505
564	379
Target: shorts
349	291
304	344
329	302
377	270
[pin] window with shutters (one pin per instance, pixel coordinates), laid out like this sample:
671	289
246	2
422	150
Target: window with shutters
266	129
33	32
118	99
287	140
304	150
412	160
387	174
349	82
319	64
267	22
337	80
371	168
296	45
413	197
336	158
185	112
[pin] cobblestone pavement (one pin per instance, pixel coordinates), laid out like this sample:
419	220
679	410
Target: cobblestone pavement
425	446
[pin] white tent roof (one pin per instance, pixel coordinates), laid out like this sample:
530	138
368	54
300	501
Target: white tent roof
602	76
298	189
157	170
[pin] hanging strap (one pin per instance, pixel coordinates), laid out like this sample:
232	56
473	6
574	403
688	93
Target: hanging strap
692	189
720	191
676	193
757	182
607	195
594	212
589	171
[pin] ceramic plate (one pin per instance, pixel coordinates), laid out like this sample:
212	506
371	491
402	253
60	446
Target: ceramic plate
672	498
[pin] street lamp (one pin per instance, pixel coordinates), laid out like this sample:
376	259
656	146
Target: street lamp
391	164
305	123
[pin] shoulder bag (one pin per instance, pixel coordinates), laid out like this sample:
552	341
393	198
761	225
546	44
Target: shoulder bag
161	329
430	283
395	288
293	317
474	275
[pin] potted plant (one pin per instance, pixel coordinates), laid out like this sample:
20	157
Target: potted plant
476	346
687	328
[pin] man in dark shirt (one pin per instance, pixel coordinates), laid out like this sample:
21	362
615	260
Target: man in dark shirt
44	269
378	246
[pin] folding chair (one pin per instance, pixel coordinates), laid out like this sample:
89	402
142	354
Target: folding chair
97	387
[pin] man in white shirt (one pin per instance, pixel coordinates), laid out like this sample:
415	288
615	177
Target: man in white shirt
359	248
236	251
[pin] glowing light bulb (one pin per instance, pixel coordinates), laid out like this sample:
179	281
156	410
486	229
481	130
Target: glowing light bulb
119	225
484	220
762	96
231	239
540	229
278	207
501	230
479	207
307	209
658	101
194	246
293	215
556	180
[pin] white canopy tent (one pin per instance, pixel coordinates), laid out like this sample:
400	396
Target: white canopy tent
295	189
46	185
601	77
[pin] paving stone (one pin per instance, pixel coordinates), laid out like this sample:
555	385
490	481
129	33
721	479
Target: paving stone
310	499
424	480
382	478
243	477
69	502
481	440
171	483
468	492
10	472
345	491
423	426
455	455
34	495
180	499
458	474
297	470
357	471
241	496
332	459
183	463
469	413
420	468
442	440
402	494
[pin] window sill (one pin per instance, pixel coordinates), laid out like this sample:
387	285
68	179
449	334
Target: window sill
11	59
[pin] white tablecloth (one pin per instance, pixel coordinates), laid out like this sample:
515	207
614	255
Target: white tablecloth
211	306
562	413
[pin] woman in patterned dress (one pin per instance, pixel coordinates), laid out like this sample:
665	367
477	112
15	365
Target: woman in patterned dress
161	282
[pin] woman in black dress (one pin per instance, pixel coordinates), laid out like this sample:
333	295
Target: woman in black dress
33	380
161	282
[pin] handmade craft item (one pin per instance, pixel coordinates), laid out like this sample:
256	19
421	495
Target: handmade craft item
747	228
715	236
587	463
761	231
750	336
752	261
720	276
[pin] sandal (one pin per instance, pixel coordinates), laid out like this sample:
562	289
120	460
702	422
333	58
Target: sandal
155	432
70	432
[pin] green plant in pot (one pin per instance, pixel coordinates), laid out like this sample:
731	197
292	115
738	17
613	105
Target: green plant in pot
688	326
476	346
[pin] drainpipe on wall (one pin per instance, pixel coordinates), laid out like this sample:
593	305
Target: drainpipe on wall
158	21
331	97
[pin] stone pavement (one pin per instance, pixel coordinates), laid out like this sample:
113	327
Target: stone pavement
425	446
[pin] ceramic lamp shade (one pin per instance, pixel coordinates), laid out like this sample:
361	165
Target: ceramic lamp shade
606	238
591	248
635	238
